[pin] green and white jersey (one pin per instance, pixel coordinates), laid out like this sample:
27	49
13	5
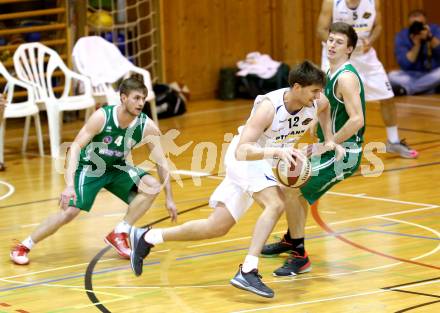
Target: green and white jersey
339	115
112	144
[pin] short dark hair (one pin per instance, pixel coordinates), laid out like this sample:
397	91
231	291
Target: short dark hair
416	12
306	74
132	83
346	29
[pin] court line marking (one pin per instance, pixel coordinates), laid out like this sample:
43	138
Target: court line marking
418	106
326	227
11	190
46	282
315	226
232	240
379	199
363	218
324	299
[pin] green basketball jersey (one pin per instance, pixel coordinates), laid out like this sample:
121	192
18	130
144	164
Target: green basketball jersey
112	144
339	115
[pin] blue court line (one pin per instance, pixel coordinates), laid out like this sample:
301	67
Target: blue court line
113	269
61	278
399	234
208	254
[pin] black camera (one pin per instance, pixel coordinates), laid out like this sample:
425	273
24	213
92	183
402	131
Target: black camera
416	28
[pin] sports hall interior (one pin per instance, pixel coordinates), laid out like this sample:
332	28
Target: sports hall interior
374	239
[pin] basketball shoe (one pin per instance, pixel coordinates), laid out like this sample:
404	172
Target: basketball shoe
251	282
119	241
139	249
276	248
294	265
19	254
401	148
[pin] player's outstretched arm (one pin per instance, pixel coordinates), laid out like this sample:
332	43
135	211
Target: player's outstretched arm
92	127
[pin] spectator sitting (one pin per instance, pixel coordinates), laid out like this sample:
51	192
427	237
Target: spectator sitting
417	49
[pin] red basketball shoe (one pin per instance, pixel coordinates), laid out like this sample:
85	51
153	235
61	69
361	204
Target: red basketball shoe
119	241
19	254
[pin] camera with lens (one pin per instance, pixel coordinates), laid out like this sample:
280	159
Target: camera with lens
416	28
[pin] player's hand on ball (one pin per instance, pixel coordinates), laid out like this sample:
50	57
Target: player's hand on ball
287	155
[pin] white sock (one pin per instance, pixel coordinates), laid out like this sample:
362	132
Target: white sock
250	263
393	134
28	243
122	227
154	236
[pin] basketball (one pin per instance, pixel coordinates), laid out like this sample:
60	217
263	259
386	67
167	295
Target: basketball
294	176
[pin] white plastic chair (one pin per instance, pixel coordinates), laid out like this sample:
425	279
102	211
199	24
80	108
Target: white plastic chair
25	109
104	64
35	64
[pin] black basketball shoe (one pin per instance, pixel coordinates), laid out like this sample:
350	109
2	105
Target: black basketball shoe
274	249
294	265
139	249
251	282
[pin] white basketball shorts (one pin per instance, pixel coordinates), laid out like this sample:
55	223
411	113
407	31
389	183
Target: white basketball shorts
370	69
243	178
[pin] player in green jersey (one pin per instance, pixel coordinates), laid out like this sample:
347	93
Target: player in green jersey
345	92
98	159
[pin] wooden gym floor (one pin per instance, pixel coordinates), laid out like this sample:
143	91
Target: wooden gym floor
374	242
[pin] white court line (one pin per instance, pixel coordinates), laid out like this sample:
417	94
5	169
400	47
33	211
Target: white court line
56	269
378	198
331	223
313	301
273	281
11	190
191	173
71	266
29	225
434	99
416	225
418	106
334	298
308	227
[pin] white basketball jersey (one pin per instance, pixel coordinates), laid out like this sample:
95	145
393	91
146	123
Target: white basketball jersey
361	18
287	128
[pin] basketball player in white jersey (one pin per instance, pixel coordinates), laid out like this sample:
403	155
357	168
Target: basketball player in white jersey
365	17
277	121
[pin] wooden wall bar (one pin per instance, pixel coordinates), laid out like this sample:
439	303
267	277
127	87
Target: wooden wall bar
201	36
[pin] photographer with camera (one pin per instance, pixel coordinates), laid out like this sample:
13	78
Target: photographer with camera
417	49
